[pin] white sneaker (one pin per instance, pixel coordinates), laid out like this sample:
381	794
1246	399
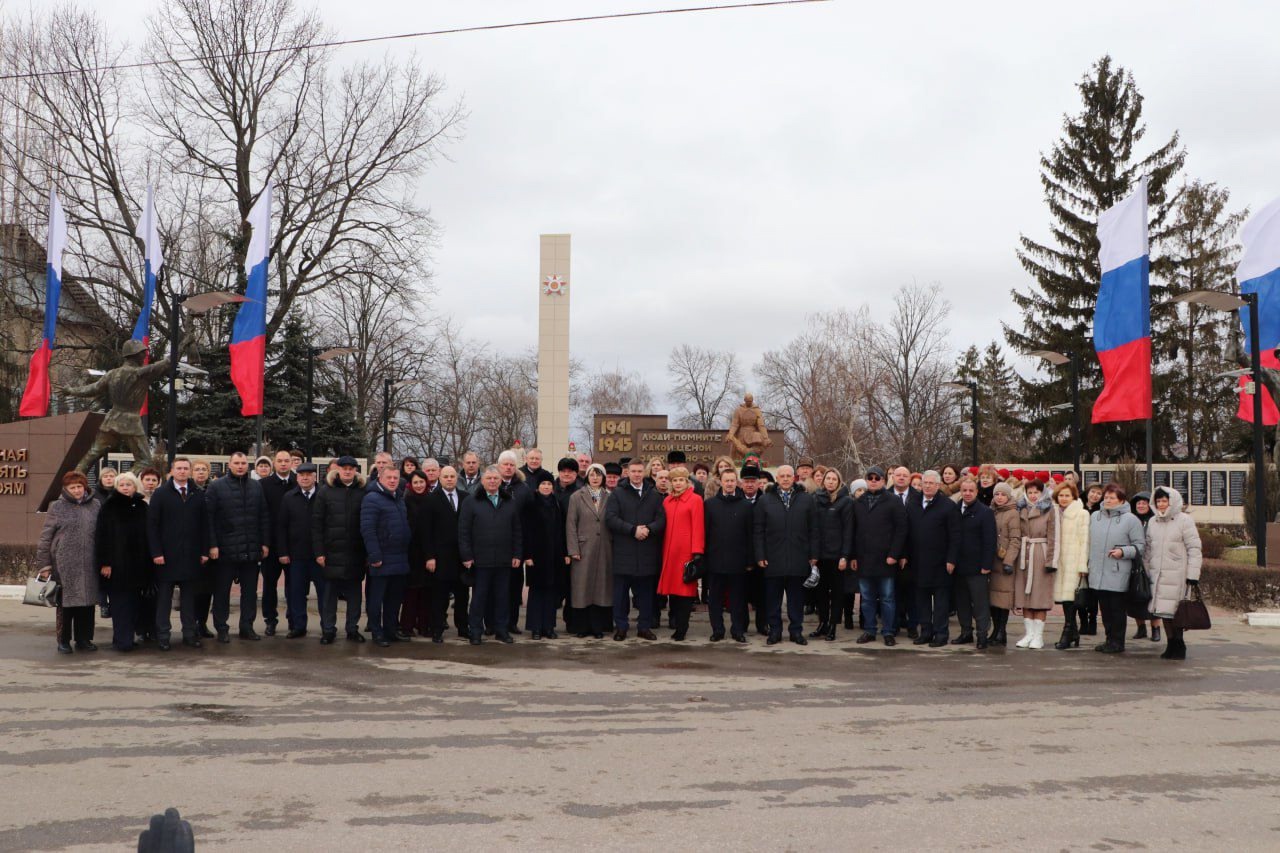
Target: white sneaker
1026	633
1037	634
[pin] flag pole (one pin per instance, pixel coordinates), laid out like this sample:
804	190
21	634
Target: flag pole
1151	483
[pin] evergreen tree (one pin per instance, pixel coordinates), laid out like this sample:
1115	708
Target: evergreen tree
1202	406
284	399
209	419
1093	166
1000	435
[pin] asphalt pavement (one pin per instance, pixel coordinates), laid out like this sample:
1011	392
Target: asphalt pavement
590	744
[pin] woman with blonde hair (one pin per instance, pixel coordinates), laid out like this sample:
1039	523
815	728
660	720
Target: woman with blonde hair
683	541
1072	549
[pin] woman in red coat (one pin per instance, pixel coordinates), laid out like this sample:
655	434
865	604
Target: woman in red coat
682	542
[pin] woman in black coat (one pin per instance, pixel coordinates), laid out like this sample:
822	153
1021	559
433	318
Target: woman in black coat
123	559
415	612
835	536
545	548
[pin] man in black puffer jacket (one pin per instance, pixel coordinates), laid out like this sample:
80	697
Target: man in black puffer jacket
238	536
339	548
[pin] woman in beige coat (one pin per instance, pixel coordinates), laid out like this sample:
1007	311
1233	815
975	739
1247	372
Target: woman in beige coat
590	558
1173	564
1072	549
1008	546
1033	583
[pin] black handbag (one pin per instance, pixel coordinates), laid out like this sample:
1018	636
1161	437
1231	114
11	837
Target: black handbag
1082	597
694	570
1138	603
1192	615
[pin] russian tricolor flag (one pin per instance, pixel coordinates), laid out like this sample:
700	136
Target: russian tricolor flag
1122	318
35	398
249	333
1259	272
149	233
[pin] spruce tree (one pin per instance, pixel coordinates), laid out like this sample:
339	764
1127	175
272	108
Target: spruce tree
1000	434
1094	165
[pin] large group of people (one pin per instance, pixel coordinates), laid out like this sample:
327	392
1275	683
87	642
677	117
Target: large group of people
589	546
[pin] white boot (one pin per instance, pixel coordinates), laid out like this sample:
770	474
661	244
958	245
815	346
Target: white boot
1027	634
1037	634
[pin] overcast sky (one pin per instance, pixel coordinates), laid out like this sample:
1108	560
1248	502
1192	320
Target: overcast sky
747	168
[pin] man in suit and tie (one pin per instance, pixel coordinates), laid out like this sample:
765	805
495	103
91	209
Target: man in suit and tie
905	596
274	487
444	562
469	478
297	550
933	541
749	482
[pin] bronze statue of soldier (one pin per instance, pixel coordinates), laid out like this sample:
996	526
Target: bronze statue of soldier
125	388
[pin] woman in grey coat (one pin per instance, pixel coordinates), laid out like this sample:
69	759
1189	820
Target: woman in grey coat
590	551
1115	539
1173	564
66	550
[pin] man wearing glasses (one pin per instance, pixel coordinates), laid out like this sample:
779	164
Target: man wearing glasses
879	546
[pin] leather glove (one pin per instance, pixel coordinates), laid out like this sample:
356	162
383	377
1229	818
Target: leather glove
1051	570
1193	582
812	581
1008	569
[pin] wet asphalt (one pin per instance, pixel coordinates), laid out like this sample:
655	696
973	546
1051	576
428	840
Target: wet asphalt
591	744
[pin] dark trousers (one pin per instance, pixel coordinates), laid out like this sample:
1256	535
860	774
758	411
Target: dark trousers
227	572
186	609
1088	612
350	591
877	598
439	603
681	610
515	592
973	602
933	604
271	570
793	588
415	611
126	607
1114	616
202	604
299	579
830	591
540	614
735	586
904	595
384	594
756	598
493	586
592	619
77	622
624	587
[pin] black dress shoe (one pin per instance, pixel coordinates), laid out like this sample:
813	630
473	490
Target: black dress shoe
619	635
831	634
890	640
355	636
551	635
582	635
87	646
475	641
679	634
295	633
506	638
437	638
963	640
981	644
866	637
913	634
646	634
799	640
774	639
739	638
1108	649
249	634
821	629
535	635
270	630
921	640
381	641
65	648
717	636
402	636
515	630
193	642
599	635
327	639
936	644
204	632
224	637
163	645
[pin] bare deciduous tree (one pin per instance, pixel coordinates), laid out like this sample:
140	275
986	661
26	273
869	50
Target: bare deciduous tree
703	382
608	391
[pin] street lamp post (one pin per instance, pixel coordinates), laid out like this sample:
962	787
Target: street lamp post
389	385
972	387
318	354
1220	301
196	303
1059	359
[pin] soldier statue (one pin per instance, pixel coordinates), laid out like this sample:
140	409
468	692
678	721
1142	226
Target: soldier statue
125	388
748	435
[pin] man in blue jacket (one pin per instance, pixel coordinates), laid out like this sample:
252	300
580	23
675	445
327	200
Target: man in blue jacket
976	559
384	527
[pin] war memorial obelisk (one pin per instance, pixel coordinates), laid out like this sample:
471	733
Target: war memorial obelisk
553	346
